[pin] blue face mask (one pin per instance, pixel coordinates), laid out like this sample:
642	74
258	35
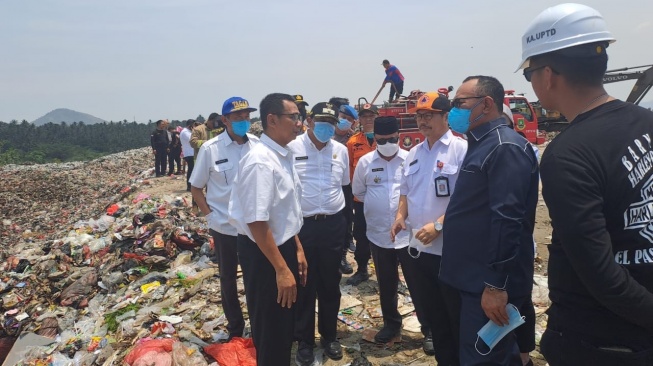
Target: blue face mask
324	131
491	333
369	135
459	118
240	128
344	125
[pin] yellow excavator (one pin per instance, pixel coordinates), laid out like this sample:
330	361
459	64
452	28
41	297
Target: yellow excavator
552	121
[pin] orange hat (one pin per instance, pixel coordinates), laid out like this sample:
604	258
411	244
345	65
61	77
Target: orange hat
433	101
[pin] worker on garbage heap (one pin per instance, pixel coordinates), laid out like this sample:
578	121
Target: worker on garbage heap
322	165
596	182
429	179
395	78
265	207
216	167
376	183
211	128
159	141
358	145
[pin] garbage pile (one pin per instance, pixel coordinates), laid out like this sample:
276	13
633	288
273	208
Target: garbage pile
99	273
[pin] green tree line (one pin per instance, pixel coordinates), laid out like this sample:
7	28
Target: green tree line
22	143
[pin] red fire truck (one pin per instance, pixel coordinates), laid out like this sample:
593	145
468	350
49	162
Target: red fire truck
524	117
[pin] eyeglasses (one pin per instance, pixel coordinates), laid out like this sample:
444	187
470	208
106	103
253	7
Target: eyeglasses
528	72
295	117
392	140
426	116
458	102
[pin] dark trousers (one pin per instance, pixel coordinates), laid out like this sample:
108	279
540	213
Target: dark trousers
564	347
526	332
437	305
160	158
174	156
505	353
399	89
386	262
226	247
272	325
362	254
190	163
322	242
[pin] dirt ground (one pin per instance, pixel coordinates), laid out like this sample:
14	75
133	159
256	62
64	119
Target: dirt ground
409	350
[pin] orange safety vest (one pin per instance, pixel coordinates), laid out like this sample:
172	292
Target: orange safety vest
357	146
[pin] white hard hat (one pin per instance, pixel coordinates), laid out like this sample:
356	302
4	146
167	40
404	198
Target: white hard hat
563	26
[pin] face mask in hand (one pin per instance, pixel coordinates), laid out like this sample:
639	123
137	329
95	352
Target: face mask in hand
414	243
323	131
491	333
344	125
240	128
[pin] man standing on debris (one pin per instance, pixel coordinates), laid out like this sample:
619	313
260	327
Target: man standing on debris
159	141
596	182
488	227
428	181
358	145
376	183
323	169
187	150
174	151
217	165
395	78
265	207
211	128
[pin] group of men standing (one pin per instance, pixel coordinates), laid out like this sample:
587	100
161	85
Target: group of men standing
456	212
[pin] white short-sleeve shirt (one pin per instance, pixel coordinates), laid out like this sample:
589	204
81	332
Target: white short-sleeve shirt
267	188
322	173
216	166
422	167
376	183
186	147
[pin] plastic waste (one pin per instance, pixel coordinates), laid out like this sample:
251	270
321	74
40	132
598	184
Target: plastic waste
237	352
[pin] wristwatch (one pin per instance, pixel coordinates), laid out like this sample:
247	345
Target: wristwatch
438	226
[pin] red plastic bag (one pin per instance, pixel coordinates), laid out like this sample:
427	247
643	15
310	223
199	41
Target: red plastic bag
146	346
238	352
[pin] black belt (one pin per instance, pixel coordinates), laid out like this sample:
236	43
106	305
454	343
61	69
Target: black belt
319	217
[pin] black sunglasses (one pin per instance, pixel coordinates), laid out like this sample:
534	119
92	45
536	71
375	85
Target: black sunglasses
392	140
528	72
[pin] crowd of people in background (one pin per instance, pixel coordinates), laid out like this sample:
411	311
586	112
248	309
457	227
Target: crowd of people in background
456	212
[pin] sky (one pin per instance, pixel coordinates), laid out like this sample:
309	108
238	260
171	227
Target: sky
155	59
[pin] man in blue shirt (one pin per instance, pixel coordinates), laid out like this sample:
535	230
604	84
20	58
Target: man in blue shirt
395	78
488	227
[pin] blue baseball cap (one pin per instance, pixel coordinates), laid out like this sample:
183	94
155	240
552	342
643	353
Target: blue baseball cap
236	104
349	110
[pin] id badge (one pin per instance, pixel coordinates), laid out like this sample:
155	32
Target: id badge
442	187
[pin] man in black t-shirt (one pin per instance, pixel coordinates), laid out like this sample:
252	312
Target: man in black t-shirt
597	179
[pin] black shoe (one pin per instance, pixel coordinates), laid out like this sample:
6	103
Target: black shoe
333	350
358	277
345	267
427	346
386	334
529	363
304	356
188	187
352	246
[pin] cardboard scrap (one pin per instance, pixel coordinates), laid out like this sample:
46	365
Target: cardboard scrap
411	324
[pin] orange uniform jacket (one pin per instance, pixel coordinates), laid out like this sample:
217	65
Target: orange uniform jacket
357	146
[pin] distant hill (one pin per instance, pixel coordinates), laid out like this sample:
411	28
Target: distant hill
67	115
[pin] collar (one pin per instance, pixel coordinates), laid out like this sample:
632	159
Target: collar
228	140
479	132
273	145
444	140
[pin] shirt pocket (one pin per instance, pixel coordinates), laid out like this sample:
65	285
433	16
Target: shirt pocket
337	173
223	172
301	169
447	170
412	174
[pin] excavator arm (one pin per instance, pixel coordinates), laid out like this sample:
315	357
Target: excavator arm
642	85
